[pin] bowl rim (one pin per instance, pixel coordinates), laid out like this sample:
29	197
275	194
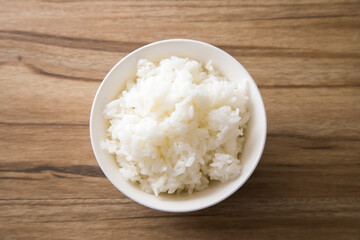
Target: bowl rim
219	199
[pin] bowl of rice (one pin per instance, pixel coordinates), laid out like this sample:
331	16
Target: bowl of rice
178	125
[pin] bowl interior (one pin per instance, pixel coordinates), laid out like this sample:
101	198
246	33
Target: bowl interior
126	69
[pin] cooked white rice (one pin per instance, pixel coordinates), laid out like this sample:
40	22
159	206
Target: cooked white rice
177	126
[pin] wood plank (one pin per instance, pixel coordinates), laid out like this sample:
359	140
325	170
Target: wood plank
329	69
53	157
75	210
284	104
131	220
302	20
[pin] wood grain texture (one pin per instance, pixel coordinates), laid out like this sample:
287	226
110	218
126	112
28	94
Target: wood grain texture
304	56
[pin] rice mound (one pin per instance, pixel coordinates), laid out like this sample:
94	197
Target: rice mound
177	126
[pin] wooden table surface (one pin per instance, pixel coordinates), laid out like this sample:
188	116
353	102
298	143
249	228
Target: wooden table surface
304	56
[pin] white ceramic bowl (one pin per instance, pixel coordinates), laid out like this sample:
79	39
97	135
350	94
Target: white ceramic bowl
203	52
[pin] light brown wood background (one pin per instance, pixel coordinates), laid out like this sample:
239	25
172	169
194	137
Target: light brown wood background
304	56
